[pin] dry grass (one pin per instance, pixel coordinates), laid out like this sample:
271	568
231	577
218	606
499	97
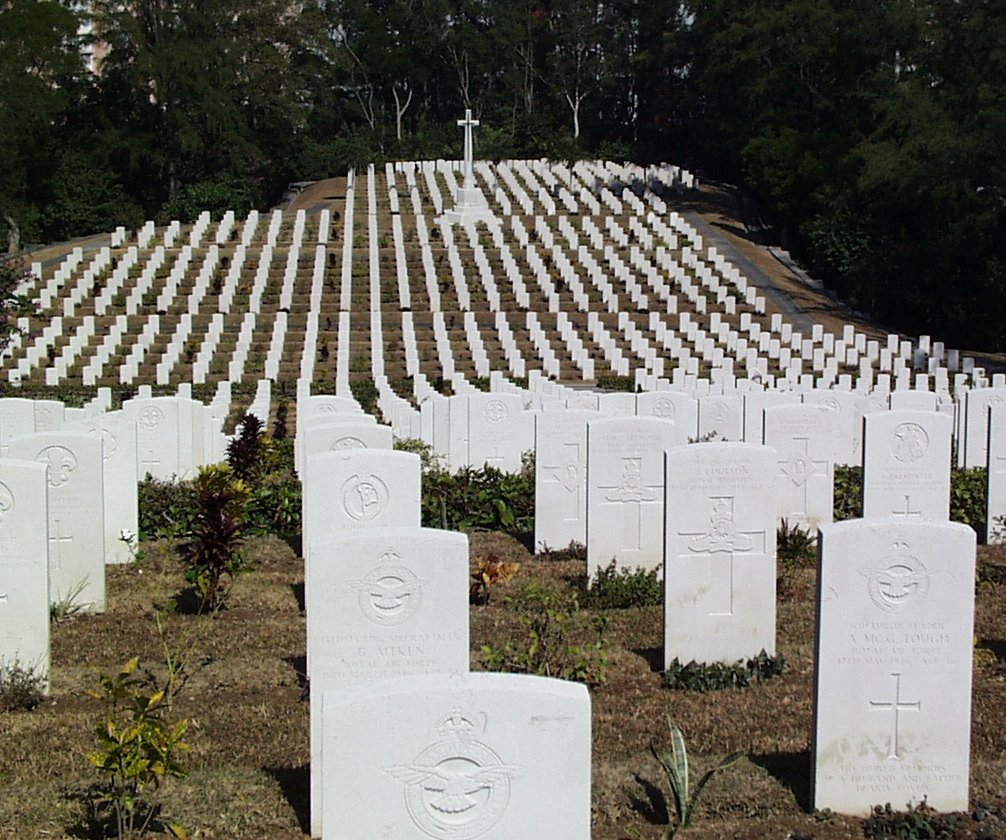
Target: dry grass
249	730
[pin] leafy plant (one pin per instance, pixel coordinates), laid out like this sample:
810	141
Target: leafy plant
245	451
918	822
137	750
22	686
614	588
68	604
166	508
967	497
848	500
479	498
543	646
574	551
796	548
488	572
715	676
212	548
674	763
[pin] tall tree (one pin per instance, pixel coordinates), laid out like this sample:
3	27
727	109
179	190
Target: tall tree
40	70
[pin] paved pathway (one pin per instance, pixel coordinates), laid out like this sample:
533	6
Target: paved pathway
710	235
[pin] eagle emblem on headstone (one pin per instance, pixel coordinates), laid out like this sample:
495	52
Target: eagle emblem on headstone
902	582
458	787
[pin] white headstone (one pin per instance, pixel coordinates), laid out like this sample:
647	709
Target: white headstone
76	513
893	670
480	755
158	436
499	431
119	475
721	417
560	481
360	488
625	491
803	436
996	482
392	602
906	465
341	435
719	567
24	572
676	406
976	414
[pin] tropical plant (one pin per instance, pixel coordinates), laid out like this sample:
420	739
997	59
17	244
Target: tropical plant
487	573
137	749
212	548
674	763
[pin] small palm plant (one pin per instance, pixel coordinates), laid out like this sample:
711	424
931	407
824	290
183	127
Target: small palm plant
675	766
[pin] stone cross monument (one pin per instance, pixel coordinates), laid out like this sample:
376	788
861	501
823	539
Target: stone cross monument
470	204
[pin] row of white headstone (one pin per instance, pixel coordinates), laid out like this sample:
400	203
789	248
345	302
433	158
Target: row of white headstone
69	501
659	275
895	622
402	736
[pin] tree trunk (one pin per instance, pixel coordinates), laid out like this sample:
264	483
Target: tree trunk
13	234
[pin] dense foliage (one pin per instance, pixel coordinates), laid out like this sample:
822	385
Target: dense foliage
868	134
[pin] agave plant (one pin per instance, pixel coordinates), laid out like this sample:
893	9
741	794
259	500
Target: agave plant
675	767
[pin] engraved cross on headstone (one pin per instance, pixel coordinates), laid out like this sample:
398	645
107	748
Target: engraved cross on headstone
58	538
568	474
468	124
631	490
496	459
150	460
721	543
800	469
908	509
897	706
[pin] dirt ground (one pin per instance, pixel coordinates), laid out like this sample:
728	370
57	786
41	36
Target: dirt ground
249	720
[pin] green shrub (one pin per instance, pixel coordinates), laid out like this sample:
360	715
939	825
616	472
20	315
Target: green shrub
795	545
212	548
613	382
614	588
275	505
967	498
365	393
848	503
544	644
918	822
137	750
22	687
715	676
166	508
479	498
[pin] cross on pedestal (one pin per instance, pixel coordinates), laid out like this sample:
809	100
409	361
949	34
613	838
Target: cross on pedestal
633	491
569	476
58	539
897	706
722	542
468	124
800	469
908	509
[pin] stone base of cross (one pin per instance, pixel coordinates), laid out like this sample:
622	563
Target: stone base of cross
469	206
